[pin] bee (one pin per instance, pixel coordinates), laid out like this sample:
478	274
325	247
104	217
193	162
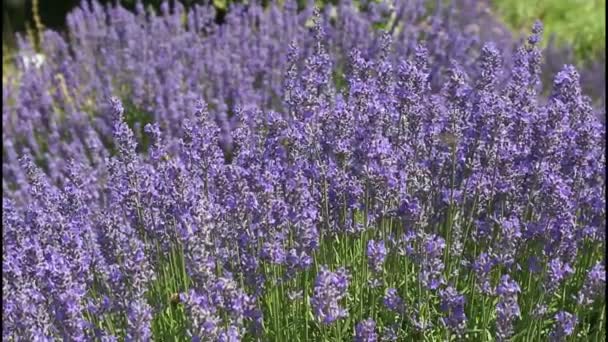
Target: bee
472	29
174	299
448	138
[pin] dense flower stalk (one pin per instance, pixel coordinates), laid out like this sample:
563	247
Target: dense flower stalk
365	331
329	290
507	309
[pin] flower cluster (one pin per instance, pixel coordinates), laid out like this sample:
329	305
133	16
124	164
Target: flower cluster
452	303
507	308
165	175
366	331
565	324
330	288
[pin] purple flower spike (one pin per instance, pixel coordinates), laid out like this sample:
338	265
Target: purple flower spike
330	288
365	331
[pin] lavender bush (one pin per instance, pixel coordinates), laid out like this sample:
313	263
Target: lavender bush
377	173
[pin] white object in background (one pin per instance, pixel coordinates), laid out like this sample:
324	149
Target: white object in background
36	60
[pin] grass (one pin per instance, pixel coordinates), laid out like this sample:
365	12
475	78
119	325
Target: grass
580	23
292	320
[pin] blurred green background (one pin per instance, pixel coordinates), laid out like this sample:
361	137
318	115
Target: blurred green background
579	23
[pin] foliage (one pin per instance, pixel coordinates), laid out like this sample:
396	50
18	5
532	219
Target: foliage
581	23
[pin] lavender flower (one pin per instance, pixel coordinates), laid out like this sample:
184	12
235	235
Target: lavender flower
376	253
452	304
507	309
390	333
393	302
594	285
365	331
329	290
262	140
432	263
558	271
565	324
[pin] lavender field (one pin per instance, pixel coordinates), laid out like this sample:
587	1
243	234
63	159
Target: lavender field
365	171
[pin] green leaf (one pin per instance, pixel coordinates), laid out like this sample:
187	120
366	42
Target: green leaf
220	4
